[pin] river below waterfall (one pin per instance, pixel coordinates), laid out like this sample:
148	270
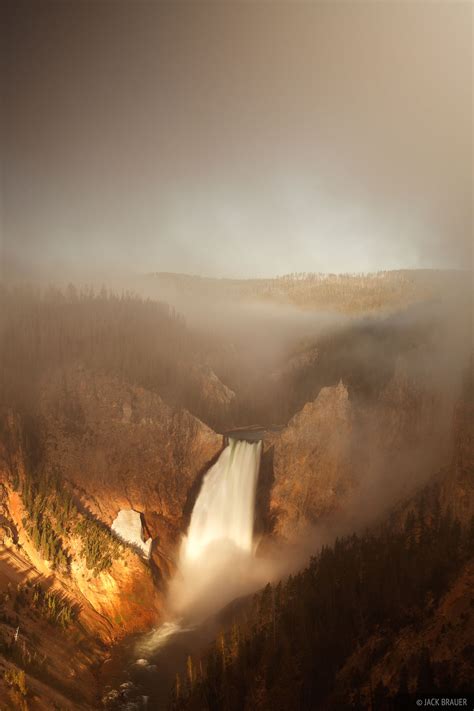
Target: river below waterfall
216	569
142	669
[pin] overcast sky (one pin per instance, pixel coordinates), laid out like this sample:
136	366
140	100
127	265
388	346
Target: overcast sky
236	139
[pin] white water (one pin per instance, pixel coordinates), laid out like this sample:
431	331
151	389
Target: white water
216	565
149	643
216	560
225	507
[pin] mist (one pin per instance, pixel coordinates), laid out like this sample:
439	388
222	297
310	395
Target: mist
410	367
236	307
235	140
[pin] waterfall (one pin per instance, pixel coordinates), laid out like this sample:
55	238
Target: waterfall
216	559
225	508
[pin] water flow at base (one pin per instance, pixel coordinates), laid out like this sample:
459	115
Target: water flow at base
216	565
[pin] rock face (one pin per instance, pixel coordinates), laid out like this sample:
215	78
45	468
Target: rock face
117	448
212	389
112	603
311	462
7	528
352	457
122	447
128	527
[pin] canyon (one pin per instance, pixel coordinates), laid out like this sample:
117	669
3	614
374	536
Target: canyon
372	412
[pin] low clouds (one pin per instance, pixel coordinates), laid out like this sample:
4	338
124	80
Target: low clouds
236	139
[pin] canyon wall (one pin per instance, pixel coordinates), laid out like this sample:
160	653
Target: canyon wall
344	459
95	445
123	447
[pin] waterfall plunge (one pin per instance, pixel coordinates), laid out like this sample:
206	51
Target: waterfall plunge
225	507
216	557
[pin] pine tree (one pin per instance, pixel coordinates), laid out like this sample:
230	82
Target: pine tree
403	681
425	680
190	672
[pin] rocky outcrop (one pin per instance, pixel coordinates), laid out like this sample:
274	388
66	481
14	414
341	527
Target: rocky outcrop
111	603
352	457
104	605
311	462
212	390
123	447
8	533
116	447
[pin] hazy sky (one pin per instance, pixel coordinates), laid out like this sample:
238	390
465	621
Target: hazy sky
236	139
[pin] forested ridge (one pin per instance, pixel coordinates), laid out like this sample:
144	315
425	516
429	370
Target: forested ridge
53	519
147	343
358	293
284	651
20	606
142	341
353	293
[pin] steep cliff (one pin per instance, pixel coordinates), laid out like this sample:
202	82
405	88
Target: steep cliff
376	613
350	456
311	462
123	447
70	551
437	653
95	445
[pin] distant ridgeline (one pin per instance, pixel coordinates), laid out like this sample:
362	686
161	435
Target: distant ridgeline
313	641
142	341
345	293
146	343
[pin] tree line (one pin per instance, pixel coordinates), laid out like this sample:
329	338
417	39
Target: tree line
285	649
53	519
358	293
142	341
